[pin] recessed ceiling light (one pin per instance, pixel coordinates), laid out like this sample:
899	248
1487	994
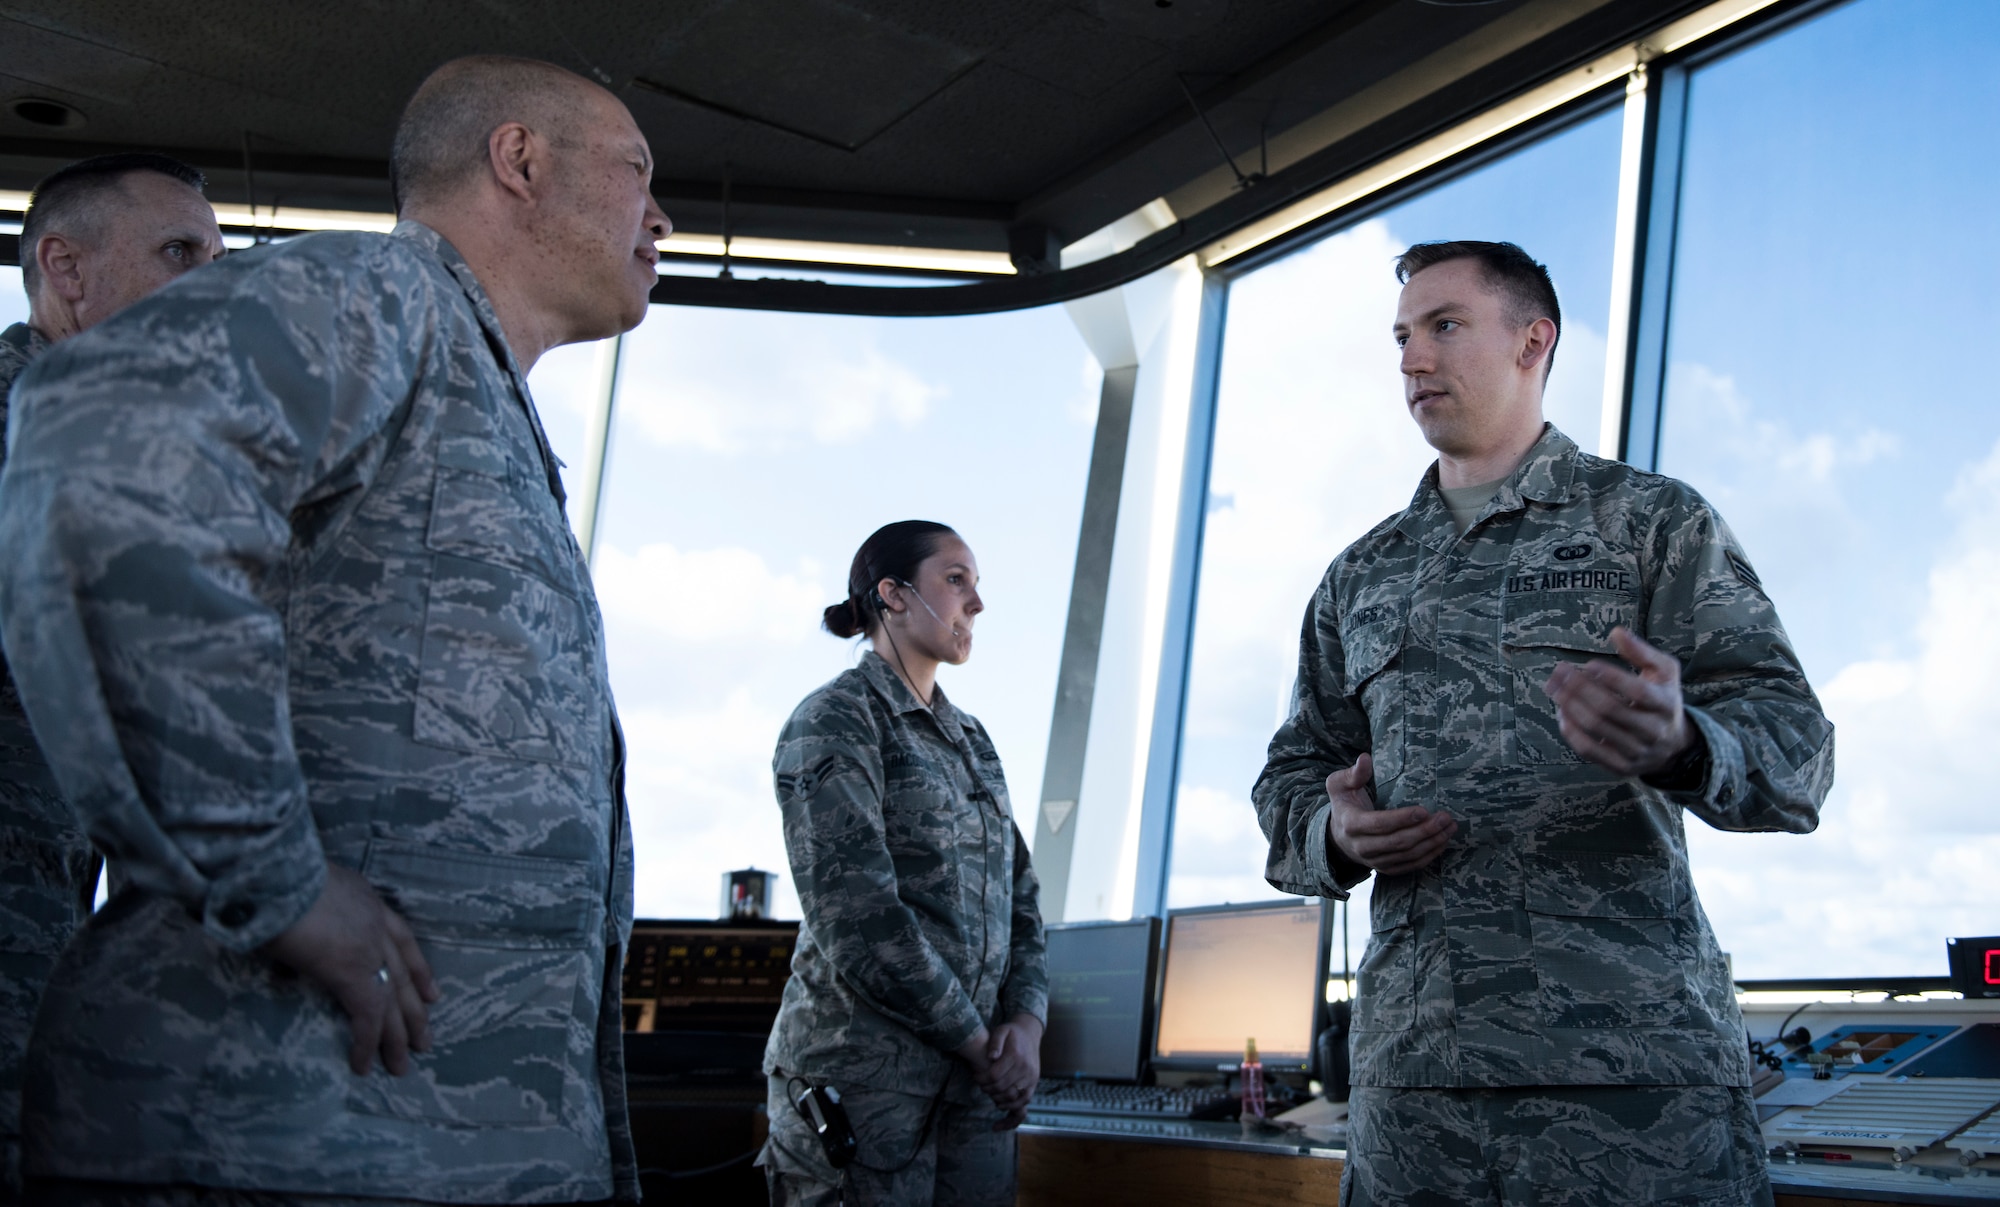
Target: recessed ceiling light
39	111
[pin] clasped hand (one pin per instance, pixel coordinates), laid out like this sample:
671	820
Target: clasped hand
1633	724
1007	1064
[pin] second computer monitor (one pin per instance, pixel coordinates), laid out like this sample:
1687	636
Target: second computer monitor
1100	991
1241	972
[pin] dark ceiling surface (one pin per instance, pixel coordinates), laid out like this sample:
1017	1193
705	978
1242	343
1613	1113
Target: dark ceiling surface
1012	125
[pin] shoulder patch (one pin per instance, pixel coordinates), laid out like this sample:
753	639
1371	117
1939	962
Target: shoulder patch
1743	571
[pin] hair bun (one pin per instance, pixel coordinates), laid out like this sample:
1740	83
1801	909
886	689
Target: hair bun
842	619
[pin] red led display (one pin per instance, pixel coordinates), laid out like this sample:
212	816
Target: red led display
1975	965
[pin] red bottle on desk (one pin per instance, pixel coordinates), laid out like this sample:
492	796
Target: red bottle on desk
1253	1081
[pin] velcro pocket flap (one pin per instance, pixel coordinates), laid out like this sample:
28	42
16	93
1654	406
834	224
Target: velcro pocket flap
481	900
1607	885
474	451
1572	629
1390	902
1367	651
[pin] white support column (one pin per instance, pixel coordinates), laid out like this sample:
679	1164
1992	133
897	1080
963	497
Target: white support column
1104	857
1143	336
1624	268
597	447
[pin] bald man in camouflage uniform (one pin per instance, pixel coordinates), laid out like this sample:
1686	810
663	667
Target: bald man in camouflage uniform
1543	1015
295	607
98	235
922	929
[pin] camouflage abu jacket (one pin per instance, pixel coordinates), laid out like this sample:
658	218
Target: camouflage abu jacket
290	581
1558	940
46	866
921	922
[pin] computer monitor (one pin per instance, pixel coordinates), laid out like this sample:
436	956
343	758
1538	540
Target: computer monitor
1237	972
1100	998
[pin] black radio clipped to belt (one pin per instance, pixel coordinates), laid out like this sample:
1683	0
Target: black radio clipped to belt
819	1106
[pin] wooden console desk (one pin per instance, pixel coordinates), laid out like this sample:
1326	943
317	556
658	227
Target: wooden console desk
1105	1163
1175	1163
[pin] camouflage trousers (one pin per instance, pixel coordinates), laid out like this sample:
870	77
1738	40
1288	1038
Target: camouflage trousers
61	1192
1554	1146
959	1161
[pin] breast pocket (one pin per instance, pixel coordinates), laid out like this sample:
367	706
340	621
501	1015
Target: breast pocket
1609	940
1373	677
923	825
1558	611
510	659
1386	991
509	940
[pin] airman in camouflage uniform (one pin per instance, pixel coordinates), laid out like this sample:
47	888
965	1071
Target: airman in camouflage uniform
921	928
1557	940
293	585
121	226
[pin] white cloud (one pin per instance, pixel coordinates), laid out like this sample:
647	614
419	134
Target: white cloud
731	381
567	382
699	782
1905	852
709	594
1743	445
1219	849
1862	683
709	653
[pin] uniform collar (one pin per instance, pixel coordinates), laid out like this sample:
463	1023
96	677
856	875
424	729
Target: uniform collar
482	305
1544	476
897	694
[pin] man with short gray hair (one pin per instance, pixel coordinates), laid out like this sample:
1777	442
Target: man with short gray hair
298	609
98	235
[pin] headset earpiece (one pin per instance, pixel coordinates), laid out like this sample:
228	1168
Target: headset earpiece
876	601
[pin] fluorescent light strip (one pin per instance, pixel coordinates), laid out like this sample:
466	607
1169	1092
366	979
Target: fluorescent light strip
859	255
1490	124
862	255
238	217
287	219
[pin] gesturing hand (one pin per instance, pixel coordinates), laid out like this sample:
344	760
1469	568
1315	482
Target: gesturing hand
343	943
1631	724
1391	841
1016	1068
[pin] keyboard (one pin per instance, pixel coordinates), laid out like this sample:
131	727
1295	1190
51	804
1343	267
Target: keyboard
1141	1101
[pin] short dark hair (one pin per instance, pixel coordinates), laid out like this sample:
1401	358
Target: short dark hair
72	197
892	551
1517	275
441	137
